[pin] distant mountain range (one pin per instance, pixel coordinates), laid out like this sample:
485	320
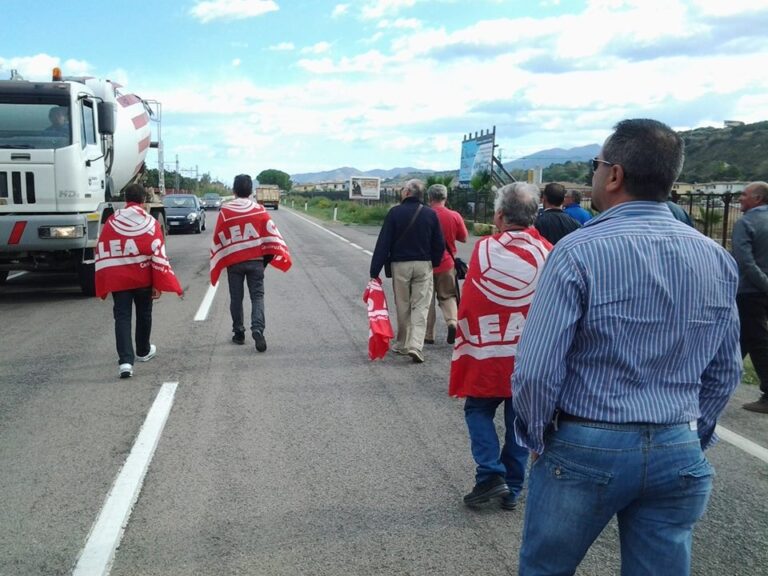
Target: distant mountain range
734	152
345	173
544	158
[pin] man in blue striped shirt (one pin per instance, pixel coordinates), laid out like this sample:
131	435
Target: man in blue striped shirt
629	354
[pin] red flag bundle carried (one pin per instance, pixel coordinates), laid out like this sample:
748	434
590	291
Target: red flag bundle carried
379	328
498	291
130	253
244	231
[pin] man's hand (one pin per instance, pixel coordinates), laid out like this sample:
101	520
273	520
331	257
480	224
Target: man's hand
534	456
156	293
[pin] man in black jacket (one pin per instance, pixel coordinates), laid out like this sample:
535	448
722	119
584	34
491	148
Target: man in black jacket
553	223
412	241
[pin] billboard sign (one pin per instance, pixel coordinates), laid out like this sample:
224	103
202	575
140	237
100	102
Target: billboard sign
364	188
476	156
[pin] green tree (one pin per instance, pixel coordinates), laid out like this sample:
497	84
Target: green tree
278	177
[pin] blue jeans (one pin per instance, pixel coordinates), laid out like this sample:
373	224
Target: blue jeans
654	478
252	272
510	464
122	311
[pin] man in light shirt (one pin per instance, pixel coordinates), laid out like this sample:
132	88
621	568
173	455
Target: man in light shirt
618	393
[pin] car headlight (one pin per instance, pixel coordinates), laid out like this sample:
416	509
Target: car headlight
192	217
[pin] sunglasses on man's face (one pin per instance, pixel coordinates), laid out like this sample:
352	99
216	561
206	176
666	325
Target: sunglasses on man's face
596	163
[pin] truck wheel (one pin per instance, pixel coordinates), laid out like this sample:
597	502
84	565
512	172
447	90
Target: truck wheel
276	206
3	276
87	276
161	220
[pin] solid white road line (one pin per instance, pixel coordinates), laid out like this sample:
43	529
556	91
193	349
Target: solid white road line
363	250
16	274
205	305
99	551
742	443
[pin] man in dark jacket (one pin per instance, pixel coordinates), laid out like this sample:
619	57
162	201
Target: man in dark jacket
411	240
553	223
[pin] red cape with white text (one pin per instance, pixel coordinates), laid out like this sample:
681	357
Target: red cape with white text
244	231
379	327
130	254
498	290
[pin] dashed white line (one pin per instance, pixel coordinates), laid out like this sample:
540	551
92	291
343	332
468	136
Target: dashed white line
205	305
99	551
16	274
742	443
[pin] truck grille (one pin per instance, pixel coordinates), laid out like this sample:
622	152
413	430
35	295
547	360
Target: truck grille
17	187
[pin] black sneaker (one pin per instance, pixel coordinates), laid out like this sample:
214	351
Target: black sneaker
261	343
494	487
509	502
760	405
451	334
239	337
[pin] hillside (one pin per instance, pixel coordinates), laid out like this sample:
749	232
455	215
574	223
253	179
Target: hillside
716	154
342	174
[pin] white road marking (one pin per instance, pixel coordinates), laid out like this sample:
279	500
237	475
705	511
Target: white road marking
16	274
99	551
742	443
205	305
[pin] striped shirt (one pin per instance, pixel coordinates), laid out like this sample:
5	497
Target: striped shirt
634	320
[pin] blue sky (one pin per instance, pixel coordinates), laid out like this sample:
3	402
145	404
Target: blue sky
304	86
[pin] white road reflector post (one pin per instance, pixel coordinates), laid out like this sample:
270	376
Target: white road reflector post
335	212
305	206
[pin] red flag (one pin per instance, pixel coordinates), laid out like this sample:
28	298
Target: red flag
379	327
244	231
498	290
130	253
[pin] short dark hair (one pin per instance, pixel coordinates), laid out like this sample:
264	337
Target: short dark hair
243	186
554	193
135	193
651	154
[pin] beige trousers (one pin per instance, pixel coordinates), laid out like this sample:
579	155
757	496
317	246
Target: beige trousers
445	292
412	285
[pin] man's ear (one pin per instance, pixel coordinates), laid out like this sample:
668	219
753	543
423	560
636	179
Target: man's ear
615	180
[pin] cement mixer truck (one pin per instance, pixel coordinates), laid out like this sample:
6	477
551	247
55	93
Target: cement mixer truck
68	148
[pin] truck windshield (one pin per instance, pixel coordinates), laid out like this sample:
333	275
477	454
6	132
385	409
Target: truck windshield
38	126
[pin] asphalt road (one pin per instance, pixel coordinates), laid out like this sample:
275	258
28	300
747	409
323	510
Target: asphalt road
307	459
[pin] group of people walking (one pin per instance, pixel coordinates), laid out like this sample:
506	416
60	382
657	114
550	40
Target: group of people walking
612	343
612	353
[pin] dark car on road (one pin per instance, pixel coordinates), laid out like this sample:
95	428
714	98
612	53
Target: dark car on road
184	212
211	201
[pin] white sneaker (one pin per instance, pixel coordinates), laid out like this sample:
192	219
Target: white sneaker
126	370
150	354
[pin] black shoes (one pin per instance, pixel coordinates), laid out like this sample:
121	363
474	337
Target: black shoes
509	502
451	334
760	405
494	487
261	343
239	337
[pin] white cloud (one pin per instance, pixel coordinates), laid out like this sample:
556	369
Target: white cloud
40	66
236	62
319	48
378	8
340	10
231	9
400	24
282	46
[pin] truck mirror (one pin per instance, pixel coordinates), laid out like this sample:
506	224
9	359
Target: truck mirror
106	118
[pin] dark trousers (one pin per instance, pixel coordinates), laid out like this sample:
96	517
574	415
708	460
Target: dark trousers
252	272
122	309
753	314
